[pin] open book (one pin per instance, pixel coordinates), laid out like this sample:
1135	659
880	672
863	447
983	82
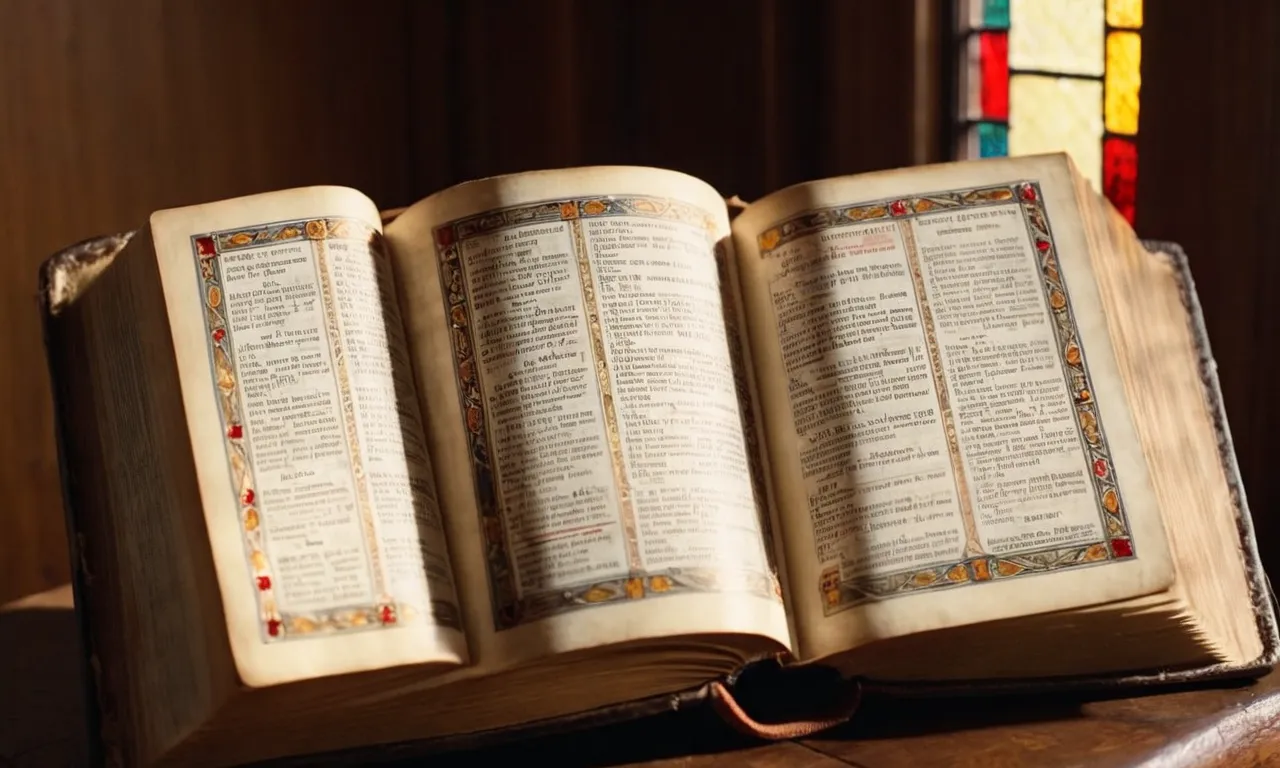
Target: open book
555	441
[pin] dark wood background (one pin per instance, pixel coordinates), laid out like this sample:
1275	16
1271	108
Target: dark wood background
111	110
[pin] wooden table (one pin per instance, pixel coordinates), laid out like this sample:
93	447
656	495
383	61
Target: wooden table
42	723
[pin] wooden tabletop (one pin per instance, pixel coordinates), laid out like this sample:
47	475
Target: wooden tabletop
42	723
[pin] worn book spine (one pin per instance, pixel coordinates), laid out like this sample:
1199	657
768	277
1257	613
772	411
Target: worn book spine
61	280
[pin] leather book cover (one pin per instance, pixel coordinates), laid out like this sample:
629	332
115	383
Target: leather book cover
763	700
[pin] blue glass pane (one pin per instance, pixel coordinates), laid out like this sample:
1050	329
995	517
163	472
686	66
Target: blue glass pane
995	14
993	140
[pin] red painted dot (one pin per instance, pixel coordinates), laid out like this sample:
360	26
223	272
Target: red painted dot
219	335
273	627
1042	245
1100	468
248	496
1028	193
235	431
387	615
264	583
1122	548
898	207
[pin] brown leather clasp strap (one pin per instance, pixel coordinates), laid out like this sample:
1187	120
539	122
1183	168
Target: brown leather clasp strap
727	707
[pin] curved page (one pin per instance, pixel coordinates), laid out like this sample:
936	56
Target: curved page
310	453
571	350
949	435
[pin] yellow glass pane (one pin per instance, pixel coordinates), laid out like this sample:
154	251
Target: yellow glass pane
1056	35
1057	114
1124	13
1124	76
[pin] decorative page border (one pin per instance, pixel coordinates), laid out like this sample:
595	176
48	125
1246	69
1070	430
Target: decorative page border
509	608
277	625
977	566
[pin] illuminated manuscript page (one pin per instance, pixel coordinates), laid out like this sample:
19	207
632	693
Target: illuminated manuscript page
948	434
573	360
310	452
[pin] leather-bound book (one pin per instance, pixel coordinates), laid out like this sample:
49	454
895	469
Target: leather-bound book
551	449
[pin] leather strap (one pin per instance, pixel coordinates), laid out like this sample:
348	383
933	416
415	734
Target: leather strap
727	707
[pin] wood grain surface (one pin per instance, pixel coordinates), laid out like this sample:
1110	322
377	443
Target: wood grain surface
112	110
42	723
1209	157
115	109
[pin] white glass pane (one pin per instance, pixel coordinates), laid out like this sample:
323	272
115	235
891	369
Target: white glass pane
1056	35
1056	114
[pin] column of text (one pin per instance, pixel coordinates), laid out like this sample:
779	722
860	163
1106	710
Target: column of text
293	428
410	534
882	493
674	394
554	471
1014	416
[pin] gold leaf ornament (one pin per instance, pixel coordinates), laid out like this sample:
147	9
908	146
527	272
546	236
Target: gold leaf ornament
769	240
924	578
1006	568
226	378
597	594
660	583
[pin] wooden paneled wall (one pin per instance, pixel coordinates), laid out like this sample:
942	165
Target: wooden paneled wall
748	95
109	110
1209	157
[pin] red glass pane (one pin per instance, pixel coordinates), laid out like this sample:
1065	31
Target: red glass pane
1120	174
993	50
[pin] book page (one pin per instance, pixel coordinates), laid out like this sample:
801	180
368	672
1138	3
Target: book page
572	352
949	436
312	459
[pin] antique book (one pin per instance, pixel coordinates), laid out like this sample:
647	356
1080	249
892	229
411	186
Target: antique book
548	449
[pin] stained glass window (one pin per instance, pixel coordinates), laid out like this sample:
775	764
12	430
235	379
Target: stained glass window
1054	75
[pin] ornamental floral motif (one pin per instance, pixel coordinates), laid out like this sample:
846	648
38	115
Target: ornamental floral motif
839	594
276	625
511	607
